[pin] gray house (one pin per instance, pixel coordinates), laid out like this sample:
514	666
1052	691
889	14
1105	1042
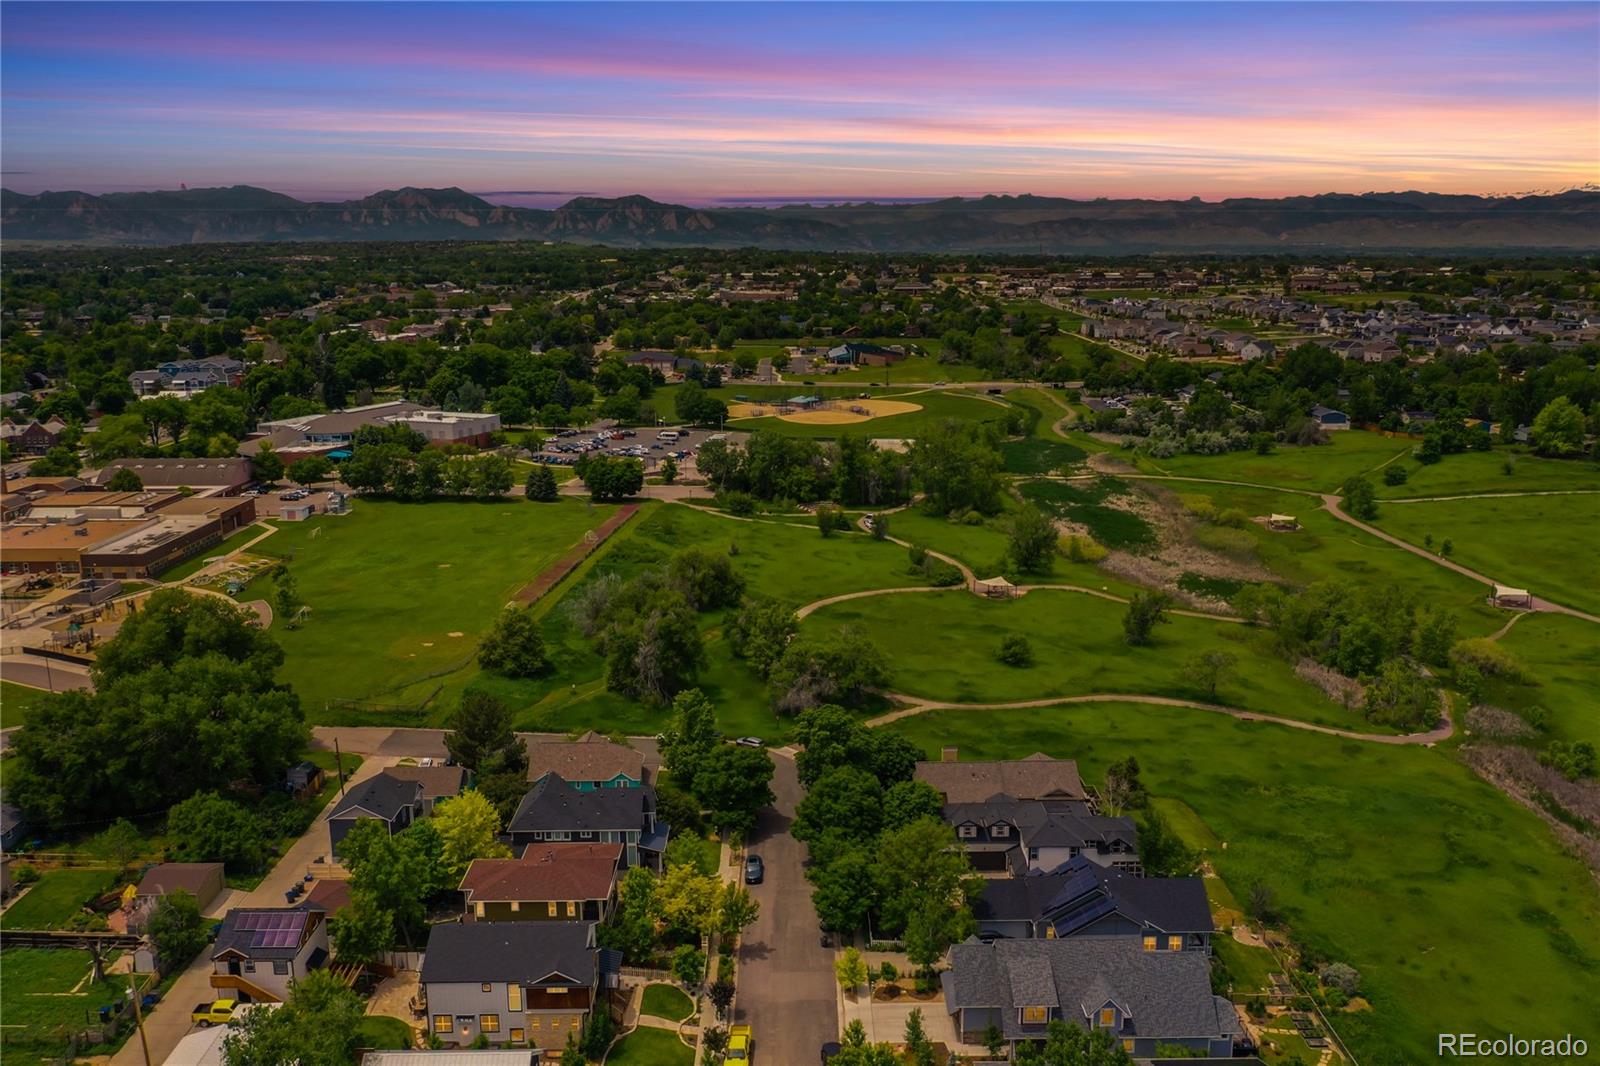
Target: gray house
391	800
1142	998
516	981
1084	899
555	811
1025	836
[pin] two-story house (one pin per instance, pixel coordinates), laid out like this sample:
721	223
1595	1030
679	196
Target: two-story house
393	801
513	981
439	783
547	882
588	763
259	952
1141	998
556	812
1084	898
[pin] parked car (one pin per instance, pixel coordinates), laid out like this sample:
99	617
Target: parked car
755	871
750	742
830	1050
217	1012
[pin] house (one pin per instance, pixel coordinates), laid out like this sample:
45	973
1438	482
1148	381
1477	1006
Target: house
1141	998
393	801
1084	899
34	438
438	782
303	779
1258	349
554	811
513	981
546	882
205	881
1038	776
327	895
1329	419
13	826
590	762
855	353
259	952
185	377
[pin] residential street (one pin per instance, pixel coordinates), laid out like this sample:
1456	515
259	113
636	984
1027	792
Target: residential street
786	986
169	1022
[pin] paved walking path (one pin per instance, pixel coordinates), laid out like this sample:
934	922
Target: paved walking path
916	705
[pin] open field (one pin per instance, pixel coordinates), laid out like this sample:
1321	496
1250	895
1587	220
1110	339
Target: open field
17	702
1390	858
1470	473
45	992
1078	649
1562	657
400	592
1543	543
835	413
55	898
934	406
1322	468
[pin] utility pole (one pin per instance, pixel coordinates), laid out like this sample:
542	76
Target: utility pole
338	762
138	1020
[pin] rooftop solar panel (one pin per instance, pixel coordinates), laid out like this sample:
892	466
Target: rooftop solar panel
1077	920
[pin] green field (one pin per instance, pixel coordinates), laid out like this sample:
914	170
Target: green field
400	592
937	405
1078	649
44	995
1319	468
1472	473
194	565
1393	859
57	896
666	1001
1562	657
385	1033
17	702
1545	544
650	1047
1086	503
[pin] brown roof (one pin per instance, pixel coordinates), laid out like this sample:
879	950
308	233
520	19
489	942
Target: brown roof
19	539
545	872
326	895
196	473
591	757
438	782
191	877
1037	777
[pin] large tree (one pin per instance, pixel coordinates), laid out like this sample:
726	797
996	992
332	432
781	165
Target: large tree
926	882
691	736
319	1025
177	929
469	827
514	646
1033	540
734	783
185	701
1557	429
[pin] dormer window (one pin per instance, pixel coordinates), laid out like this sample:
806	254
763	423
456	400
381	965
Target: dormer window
1108	1017
967	832
1035	1015
1000	830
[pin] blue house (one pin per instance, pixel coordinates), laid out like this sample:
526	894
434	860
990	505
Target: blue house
1328	418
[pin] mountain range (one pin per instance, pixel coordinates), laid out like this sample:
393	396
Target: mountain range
1333	222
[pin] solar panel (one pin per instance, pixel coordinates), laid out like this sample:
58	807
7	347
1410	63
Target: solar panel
1071	923
273	929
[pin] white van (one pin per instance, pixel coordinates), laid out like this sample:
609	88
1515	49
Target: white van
669	435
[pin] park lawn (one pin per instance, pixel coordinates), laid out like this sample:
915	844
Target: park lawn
1545	544
385	1034
233	543
1472	473
1078	649
1249	966
56	897
45	991
17	703
916	369
1314	468
1561	655
937	406
1390	858
400	592
666	1001
650	1047
1327	549
982	547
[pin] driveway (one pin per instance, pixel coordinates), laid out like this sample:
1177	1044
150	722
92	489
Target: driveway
786	986
169	1022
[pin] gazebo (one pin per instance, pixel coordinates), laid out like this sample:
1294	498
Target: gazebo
1283	523
996	588
1518	599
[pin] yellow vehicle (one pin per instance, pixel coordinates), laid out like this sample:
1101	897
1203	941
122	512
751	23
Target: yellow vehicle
740	1044
217	1012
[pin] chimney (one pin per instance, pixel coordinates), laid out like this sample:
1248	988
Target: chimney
947	754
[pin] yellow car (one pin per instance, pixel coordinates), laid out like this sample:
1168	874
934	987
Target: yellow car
741	1044
217	1012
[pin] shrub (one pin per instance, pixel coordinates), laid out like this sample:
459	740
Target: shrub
1082	549
940	574
1395	474
1015	651
1487	657
1341	976
1235	542
1572	761
918	555
24	874
738	503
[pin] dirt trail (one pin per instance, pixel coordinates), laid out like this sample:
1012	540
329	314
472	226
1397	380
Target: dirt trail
563	566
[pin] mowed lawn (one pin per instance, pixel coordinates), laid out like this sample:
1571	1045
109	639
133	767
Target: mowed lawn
1457	906
1546	544
44	994
941	645
17	702
400	592
198	563
55	898
651	1047
937	405
1316	468
1561	656
1473	473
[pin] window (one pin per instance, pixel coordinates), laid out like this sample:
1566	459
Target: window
1174	943
1049	932
1001	830
552	908
1035	1015
489	1023
280	967
479	909
486	987
967	832
572	909
1127	1043
533	1023
441	1023
514	997
249	967
1150	942
516	905
1108	1016
518	1036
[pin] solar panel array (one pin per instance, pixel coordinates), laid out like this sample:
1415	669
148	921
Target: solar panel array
273	929
1071	923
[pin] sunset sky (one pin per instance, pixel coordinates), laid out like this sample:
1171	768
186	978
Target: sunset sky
700	102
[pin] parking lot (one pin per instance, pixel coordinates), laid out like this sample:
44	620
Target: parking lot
271	503
565	447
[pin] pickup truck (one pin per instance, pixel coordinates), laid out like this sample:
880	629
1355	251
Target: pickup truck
217	1012
741	1044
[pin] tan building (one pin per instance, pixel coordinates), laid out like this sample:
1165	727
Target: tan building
549	882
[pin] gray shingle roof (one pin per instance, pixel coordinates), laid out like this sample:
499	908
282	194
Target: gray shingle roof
523	952
1166	994
382	795
552	803
1035	777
